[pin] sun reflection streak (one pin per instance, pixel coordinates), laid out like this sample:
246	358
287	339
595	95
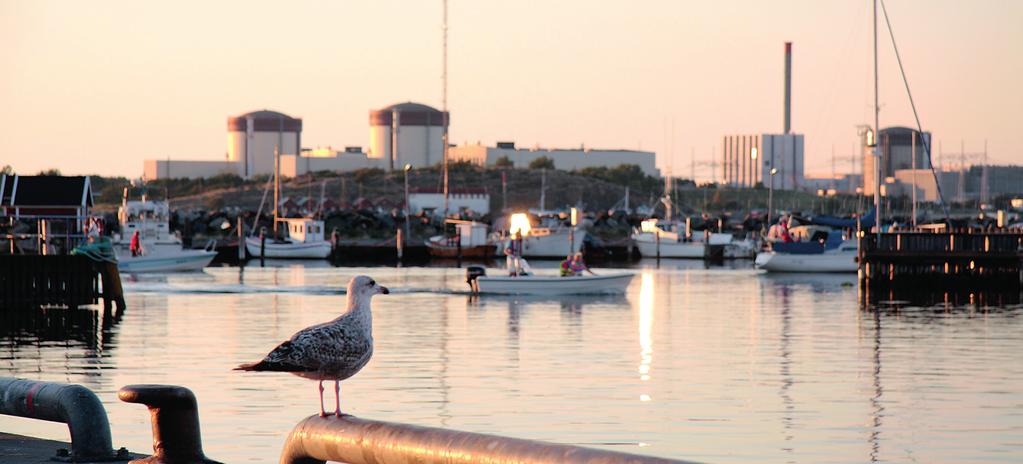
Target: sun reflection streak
646	325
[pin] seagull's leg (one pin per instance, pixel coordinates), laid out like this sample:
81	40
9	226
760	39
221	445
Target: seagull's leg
322	412
337	398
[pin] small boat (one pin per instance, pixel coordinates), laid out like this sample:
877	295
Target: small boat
304	241
469	241
162	250
159	260
549	239
481	283
826	251
668	239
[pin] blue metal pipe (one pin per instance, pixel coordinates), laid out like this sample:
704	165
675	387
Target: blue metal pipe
74	405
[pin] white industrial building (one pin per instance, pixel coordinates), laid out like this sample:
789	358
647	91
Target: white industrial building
253	137
400	134
459	199
251	141
327	159
407	133
568	159
747	160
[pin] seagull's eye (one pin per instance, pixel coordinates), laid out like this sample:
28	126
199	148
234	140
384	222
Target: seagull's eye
372	283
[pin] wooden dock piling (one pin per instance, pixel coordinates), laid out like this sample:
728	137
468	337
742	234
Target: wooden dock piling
58	280
948	259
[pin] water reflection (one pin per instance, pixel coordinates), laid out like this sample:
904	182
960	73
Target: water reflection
647	303
89	327
749	367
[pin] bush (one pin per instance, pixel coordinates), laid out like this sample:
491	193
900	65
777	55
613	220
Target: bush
542	162
504	162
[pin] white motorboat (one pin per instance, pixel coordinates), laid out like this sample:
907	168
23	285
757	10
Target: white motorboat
547	285
304	241
549	239
550	242
171	260
668	239
161	250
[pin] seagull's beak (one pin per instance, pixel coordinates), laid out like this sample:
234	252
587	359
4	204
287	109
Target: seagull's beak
382	289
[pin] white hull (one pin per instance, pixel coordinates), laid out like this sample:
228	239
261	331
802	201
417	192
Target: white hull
291	250
553	245
552	285
670	249
821	262
168	261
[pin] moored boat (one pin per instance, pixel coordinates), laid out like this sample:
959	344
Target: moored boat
469	241
304	241
669	239
161	251
825	251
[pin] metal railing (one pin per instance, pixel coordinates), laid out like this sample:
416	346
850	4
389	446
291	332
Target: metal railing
74	405
353	440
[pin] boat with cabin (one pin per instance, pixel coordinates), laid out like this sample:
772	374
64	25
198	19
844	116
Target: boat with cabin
303	240
468	240
544	237
810	248
674	239
161	250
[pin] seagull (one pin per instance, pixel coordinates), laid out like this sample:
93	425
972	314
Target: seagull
334	350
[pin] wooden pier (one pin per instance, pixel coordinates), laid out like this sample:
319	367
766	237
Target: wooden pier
947	260
58	280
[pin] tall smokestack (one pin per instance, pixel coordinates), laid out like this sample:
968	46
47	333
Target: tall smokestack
788	87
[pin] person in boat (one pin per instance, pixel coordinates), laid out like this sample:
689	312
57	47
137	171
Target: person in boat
136	244
579	266
511	262
566	267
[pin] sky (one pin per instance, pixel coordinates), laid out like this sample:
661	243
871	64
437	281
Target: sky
97	87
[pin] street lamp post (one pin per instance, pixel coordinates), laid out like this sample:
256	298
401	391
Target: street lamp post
408	167
770	197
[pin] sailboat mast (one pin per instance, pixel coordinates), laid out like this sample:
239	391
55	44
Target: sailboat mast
277	184
444	103
877	135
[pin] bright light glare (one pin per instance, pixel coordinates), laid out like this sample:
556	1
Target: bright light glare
519	224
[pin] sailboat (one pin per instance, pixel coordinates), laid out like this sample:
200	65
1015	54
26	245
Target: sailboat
304	237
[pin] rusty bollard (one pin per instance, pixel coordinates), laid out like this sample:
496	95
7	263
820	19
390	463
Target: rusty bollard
176	437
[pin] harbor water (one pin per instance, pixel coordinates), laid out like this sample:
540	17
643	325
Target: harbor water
716	364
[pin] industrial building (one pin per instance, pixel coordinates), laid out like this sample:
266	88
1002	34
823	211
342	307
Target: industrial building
407	133
568	159
428	200
251	141
896	147
404	133
749	160
326	159
253	137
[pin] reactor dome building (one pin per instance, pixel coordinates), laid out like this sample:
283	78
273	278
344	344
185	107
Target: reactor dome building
407	133
252	138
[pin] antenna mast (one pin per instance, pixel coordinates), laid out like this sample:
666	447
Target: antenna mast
444	103
876	151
